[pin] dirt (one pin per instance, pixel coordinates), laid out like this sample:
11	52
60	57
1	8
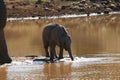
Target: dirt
27	9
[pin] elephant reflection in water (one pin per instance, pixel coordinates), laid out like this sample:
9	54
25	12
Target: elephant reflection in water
55	34
57	71
4	57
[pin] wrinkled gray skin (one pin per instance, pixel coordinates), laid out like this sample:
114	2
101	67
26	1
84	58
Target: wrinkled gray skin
4	57
55	34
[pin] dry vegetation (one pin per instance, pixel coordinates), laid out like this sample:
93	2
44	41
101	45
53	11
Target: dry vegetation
27	8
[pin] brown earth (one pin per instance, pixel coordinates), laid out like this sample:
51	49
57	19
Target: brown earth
27	9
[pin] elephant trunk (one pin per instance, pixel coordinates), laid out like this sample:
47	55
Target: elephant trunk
4	57
70	54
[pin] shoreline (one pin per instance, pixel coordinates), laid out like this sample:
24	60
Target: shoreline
59	17
59	8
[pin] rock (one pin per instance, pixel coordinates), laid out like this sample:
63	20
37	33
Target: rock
82	9
47	9
105	2
107	11
64	7
112	6
83	1
93	1
117	1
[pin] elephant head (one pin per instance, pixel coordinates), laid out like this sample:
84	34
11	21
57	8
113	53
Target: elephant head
67	45
66	42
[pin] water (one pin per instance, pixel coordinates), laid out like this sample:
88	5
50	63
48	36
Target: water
94	34
82	68
95	46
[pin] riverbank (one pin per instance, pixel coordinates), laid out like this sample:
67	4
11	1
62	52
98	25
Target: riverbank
58	17
57	8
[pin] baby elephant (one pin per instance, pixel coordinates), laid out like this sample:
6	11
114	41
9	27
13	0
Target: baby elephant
55	34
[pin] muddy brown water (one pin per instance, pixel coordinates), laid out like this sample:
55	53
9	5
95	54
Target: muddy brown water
95	46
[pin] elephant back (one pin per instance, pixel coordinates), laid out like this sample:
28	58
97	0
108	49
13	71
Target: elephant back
3	15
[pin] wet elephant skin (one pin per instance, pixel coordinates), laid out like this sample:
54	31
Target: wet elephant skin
55	34
4	57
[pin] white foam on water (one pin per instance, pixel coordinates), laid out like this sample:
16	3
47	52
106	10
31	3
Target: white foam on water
26	62
79	62
80	59
39	62
24	68
28	65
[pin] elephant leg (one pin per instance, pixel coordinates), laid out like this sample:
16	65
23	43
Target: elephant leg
61	53
46	51
70	54
55	54
4	57
52	52
46	47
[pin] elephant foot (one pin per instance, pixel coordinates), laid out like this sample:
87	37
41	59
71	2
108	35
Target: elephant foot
51	60
60	57
5	61
72	58
47	56
56	56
